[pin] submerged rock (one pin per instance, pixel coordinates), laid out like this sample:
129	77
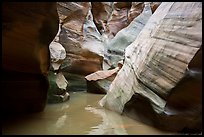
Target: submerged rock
77	83
57	88
157	79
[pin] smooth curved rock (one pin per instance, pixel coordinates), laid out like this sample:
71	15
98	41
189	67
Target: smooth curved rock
156	70
101	13
92	37
115	48
28	29
154	6
137	8
119	18
79	59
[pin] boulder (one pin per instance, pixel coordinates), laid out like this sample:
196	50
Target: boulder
77	83
57	54
99	81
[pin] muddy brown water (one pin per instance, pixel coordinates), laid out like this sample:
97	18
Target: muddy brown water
80	115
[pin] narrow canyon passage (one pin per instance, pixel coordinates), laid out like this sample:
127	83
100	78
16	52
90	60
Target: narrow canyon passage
80	115
102	68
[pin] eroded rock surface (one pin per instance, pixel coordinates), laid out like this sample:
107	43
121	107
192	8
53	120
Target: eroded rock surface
156	70
79	59
101	13
115	48
119	18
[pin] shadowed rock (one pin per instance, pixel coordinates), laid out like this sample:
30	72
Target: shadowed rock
28	29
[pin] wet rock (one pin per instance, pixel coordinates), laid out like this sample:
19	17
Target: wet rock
156	72
57	92
28	29
58	88
77	83
99	86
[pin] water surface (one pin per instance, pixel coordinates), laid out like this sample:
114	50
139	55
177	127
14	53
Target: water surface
80	115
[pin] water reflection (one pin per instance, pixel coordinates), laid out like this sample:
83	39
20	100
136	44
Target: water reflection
112	123
80	115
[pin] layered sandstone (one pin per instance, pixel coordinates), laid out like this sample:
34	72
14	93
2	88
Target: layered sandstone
158	80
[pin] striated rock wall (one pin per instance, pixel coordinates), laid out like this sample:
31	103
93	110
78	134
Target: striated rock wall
73	17
115	48
118	18
87	26
137	7
101	13
156	63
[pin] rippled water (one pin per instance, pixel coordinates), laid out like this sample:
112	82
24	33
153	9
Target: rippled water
80	115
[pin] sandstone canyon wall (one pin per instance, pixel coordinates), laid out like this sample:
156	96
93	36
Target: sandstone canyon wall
160	45
158	81
28	29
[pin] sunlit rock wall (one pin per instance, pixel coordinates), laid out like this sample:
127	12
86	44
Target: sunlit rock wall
115	48
86	26
157	61
73	17
123	13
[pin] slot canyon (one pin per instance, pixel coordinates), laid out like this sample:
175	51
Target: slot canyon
102	68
